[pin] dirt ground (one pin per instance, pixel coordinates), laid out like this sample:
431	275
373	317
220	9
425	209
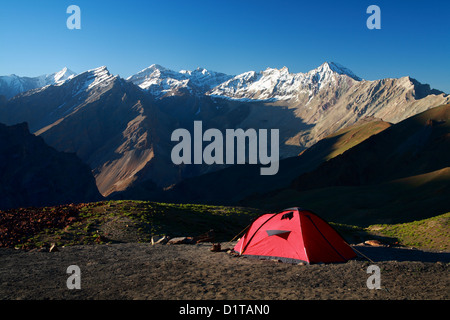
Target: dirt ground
192	272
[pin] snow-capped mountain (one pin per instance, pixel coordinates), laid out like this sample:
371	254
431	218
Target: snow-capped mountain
160	81
43	106
12	85
60	76
98	77
96	115
338	68
280	84
270	84
120	129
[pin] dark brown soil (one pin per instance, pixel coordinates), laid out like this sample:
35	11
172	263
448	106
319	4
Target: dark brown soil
167	272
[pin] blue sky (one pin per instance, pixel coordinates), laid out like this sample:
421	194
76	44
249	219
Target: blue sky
228	36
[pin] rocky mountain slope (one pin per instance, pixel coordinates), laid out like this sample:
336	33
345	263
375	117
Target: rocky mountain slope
34	174
400	174
122	128
306	107
231	185
417	145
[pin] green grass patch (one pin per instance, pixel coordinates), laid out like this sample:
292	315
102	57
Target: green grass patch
138	221
432	233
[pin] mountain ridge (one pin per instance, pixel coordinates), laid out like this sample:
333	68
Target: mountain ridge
12	85
269	84
123	132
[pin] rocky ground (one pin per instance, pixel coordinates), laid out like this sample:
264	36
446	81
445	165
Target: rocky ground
192	272
109	242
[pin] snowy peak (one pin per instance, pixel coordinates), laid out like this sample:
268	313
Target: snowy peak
205	79
99	74
269	84
334	67
161	81
12	85
150	72
57	78
156	79
280	84
276	72
82	83
63	75
95	78
272	83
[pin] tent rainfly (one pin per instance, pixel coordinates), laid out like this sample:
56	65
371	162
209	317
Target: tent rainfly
294	235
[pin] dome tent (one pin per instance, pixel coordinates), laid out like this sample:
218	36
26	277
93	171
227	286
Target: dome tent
294	235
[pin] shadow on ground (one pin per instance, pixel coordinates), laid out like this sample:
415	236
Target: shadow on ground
377	254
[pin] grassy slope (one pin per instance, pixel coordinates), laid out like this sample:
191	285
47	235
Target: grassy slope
402	200
432	233
412	147
347	138
129	221
138	221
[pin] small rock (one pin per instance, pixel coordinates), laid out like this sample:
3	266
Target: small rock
162	240
181	240
374	243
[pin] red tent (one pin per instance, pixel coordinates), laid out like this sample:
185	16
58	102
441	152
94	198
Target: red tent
294	235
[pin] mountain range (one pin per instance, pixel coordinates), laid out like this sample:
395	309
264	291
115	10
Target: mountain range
122	127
